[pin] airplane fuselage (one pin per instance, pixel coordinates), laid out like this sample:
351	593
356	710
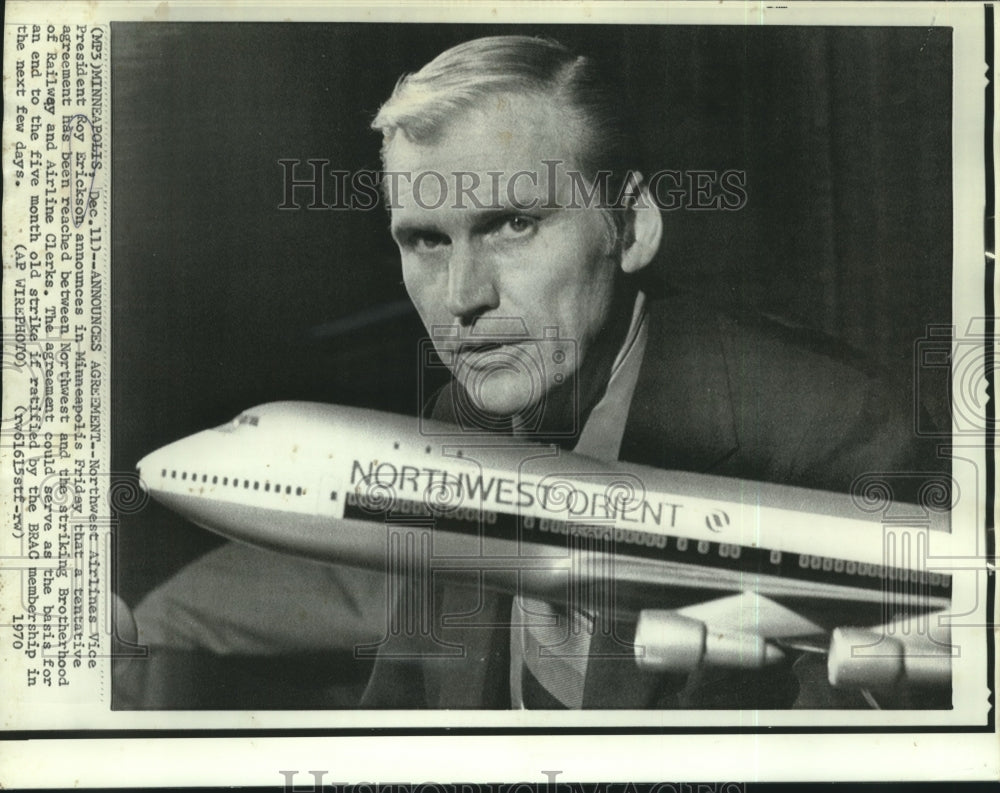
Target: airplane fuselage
356	486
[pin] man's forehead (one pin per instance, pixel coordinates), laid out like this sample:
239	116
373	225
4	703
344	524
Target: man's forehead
505	155
503	132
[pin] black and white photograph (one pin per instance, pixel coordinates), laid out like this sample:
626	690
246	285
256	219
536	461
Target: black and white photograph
701	250
547	376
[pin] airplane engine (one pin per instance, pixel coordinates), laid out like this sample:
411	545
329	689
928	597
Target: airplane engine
670	642
867	658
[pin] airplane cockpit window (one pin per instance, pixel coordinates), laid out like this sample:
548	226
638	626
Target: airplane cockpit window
243	419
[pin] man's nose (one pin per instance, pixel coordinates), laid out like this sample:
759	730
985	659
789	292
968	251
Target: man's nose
471	286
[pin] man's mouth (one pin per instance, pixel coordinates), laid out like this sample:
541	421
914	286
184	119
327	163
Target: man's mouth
491	354
482	346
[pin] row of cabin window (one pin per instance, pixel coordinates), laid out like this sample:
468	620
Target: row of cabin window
299	491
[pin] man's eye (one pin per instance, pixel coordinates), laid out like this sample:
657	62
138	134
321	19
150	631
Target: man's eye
426	242
517	226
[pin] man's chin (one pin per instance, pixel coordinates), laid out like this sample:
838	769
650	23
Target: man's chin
496	398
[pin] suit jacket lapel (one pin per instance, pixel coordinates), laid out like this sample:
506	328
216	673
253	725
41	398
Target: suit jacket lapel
681	417
477	620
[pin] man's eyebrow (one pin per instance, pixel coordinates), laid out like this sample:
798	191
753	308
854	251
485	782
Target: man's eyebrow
488	216
404	230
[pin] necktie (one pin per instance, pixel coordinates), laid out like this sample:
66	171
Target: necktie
553	645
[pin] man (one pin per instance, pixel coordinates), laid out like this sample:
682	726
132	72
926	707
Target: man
515	210
518	212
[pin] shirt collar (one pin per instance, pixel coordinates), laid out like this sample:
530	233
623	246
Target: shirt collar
602	434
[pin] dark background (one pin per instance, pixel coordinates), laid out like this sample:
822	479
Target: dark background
222	301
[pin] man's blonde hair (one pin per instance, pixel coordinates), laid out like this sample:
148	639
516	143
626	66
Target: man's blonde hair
424	102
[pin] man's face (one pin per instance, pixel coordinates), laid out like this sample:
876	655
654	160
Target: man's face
493	264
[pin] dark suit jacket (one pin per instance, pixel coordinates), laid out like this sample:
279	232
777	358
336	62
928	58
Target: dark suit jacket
717	394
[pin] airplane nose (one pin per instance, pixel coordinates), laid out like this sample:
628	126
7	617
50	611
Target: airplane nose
138	470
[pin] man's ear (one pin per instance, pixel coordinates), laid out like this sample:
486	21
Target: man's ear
644	228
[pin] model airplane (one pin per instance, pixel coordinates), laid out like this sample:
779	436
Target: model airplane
717	571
